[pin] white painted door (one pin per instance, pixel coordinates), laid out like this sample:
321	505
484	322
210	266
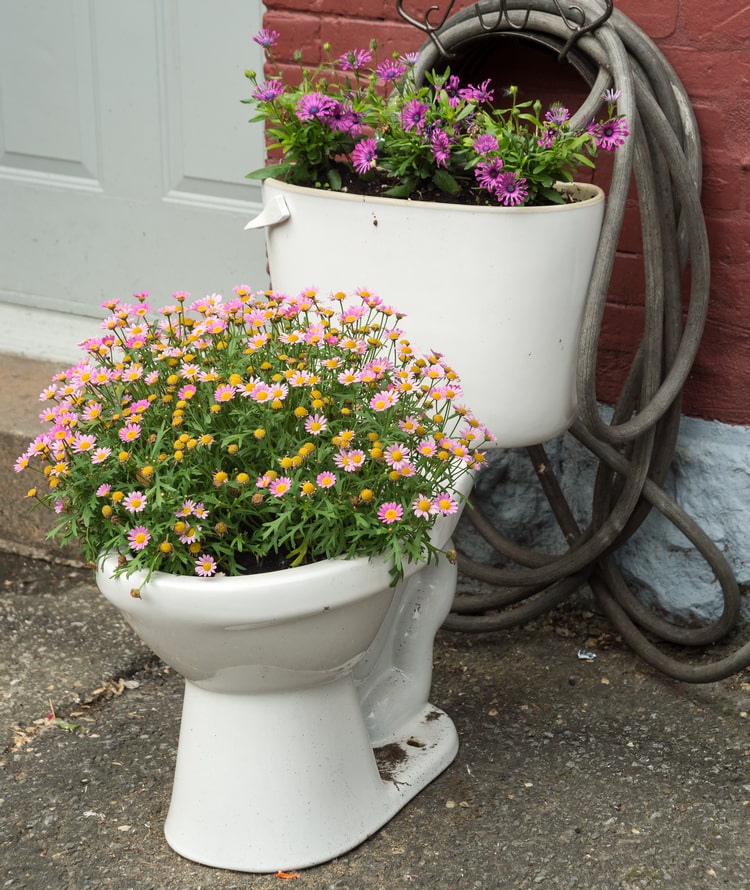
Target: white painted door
123	150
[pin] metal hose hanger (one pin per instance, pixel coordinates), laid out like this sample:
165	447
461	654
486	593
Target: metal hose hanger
634	449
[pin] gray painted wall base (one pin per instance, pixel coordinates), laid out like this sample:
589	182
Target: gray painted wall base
709	479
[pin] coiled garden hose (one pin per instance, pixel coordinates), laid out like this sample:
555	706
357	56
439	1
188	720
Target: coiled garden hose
635	448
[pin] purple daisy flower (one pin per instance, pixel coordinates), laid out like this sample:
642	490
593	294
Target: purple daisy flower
487	173
451	88
479	94
547	139
557	114
314	106
391	70
441	147
355	59
511	189
485	144
268	91
610	134
344	119
266	38
365	155
413	115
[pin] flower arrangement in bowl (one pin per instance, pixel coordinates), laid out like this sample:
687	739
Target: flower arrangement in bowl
212	436
363	125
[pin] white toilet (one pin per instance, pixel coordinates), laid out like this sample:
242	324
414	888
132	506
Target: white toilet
306	724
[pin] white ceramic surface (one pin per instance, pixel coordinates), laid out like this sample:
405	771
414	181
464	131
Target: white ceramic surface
500	291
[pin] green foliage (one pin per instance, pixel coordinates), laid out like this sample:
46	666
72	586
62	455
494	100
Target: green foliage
196	440
357	123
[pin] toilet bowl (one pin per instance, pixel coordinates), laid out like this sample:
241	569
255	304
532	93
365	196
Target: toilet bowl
306	724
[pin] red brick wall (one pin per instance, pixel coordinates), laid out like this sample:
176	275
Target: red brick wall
705	41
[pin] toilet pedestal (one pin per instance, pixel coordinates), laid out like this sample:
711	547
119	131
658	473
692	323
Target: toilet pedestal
290	780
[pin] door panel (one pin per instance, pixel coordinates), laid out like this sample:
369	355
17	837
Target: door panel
123	150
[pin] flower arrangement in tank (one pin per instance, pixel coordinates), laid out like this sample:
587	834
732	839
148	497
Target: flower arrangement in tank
365	126
212	436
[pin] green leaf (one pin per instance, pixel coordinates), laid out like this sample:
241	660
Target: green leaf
271	171
334	180
401	191
445	182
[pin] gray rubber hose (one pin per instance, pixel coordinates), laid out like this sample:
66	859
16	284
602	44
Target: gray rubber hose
634	449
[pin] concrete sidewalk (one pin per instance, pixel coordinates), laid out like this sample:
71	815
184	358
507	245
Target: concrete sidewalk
571	773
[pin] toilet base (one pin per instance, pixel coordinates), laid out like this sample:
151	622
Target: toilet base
289	779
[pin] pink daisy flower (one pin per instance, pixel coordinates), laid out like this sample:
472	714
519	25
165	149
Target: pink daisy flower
186	509
261	393
100	455
224	393
205	566
200	512
390	512
134	372
135	502
191	535
326	479
83	443
138	537
445	503
384	400
423	507
343	462
279	392
315	424
92	411
279	487
409	424
396	455
129	433
349	461
427	448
